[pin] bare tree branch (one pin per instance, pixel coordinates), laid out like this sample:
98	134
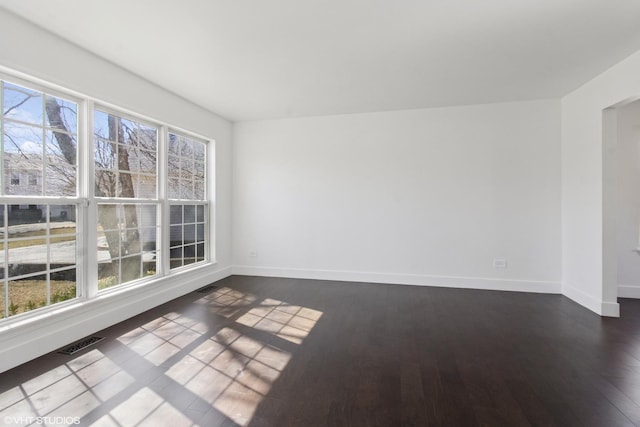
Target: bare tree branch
13	107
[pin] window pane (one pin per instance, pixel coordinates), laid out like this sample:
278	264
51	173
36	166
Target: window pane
24	140
148	215
198	170
105	154
189	213
173	168
148	236
22	104
22	156
200	251
61	162
27	294
186	169
125	185
176	235
63	285
186	189
27	256
149	264
198	190
63	236
174	144
175	213
189	233
189	254
100	124
106	183
199	151
108	273
186	147
176	257
131	268
146	186
147	162
61	114
174	189
60	180
30	217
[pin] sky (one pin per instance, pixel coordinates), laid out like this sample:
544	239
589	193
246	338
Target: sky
25	128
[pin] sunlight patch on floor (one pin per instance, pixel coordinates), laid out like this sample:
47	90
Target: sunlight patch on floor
224	375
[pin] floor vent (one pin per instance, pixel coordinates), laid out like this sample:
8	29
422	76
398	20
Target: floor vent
207	289
76	347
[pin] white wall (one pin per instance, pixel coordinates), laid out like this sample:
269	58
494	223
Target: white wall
27	49
425	197
588	181
628	199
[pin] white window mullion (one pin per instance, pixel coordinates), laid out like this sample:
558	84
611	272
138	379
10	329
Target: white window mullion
45	161
162	253
89	208
6	261
48	242
210	195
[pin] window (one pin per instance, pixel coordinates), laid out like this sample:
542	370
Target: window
125	168
188	208
43	204
38	255
33	178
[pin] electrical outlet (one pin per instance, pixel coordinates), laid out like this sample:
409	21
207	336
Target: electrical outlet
499	263
253	254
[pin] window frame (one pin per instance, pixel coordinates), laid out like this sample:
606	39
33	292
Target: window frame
78	200
206	201
86	201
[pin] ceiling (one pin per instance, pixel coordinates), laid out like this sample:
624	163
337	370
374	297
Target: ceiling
266	59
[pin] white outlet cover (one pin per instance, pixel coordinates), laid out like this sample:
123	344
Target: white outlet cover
499	263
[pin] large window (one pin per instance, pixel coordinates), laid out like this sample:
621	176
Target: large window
148	218
188	208
125	156
38	234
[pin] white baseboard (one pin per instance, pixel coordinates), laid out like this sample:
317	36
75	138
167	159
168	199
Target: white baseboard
404	279
603	308
36	336
626	291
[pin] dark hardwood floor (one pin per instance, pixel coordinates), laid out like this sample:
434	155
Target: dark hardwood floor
282	352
